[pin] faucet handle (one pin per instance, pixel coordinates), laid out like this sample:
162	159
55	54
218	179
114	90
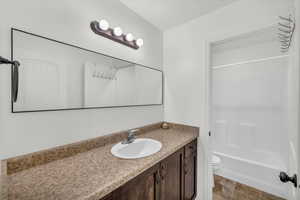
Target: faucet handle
133	132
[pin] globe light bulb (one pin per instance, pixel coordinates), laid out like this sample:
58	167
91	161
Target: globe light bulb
104	25
139	42
117	31
129	37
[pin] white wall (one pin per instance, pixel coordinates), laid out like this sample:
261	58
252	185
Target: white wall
184	58
68	21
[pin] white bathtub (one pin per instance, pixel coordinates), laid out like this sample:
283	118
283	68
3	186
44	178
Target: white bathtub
258	175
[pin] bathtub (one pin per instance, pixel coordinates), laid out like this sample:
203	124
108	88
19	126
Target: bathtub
255	174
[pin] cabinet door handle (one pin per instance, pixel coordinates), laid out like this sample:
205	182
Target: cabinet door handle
186	171
284	177
157	185
157	177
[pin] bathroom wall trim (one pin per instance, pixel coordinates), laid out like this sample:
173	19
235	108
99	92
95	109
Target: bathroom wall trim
84	49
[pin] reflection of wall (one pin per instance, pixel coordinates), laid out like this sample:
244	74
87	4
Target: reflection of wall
68	20
126	86
106	86
37	54
139	85
41	85
98	91
149	86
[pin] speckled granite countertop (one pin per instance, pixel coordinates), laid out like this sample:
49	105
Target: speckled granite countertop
93	174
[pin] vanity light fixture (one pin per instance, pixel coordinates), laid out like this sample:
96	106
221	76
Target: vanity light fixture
139	42
104	25
116	34
129	37
117	31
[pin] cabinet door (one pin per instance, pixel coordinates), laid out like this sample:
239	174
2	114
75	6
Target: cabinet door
172	177
143	187
190	171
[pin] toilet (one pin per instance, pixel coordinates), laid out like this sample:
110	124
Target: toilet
215	163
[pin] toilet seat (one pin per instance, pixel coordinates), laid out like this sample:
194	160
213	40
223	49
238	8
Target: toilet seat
215	162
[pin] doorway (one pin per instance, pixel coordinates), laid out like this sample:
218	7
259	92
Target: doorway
249	115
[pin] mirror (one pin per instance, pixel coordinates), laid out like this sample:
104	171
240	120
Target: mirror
57	76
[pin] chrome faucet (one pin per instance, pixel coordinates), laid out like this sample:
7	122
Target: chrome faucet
131	136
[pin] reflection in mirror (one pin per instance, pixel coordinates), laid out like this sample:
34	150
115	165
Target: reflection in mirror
55	76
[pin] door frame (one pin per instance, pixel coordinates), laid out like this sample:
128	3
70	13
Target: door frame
206	99
297	52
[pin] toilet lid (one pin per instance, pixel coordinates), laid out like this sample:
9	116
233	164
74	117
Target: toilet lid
215	160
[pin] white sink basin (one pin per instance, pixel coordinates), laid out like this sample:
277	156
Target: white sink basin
139	148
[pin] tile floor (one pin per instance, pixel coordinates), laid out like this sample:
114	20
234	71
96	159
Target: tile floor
226	189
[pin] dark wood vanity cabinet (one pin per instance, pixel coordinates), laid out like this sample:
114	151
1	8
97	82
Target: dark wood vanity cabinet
145	187
174	178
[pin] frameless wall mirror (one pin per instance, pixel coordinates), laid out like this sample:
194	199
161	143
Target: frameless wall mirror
57	76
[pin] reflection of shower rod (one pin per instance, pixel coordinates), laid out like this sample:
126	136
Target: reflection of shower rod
102	75
111	75
286	32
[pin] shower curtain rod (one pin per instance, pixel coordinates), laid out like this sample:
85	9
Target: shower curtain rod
249	61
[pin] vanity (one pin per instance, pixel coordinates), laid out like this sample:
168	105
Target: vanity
87	170
172	178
